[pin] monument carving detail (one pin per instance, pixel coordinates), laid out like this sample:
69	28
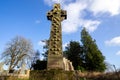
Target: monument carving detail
55	56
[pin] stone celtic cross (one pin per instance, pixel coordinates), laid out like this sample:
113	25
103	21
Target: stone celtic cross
55	56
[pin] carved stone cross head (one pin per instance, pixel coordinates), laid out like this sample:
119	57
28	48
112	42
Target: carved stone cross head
57	12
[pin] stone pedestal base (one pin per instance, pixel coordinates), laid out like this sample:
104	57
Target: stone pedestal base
55	62
52	75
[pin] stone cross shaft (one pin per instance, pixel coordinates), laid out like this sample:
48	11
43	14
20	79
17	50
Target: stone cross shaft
56	16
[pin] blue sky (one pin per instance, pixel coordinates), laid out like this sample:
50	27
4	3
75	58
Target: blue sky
27	18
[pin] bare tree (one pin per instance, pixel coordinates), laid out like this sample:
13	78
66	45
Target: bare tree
17	52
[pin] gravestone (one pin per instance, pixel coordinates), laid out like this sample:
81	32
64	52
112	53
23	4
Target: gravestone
55	55
1	67
23	68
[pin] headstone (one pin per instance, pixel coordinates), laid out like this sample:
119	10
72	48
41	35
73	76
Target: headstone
55	56
1	67
23	68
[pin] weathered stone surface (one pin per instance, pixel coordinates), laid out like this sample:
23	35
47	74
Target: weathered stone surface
15	76
56	15
1	67
55	62
67	65
52	75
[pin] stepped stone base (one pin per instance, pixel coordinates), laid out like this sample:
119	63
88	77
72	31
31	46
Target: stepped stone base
52	75
55	62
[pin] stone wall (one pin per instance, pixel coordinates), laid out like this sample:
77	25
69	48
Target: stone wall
52	75
5	75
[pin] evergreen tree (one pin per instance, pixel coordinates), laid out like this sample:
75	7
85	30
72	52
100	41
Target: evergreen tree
40	65
35	58
46	48
93	58
73	52
37	55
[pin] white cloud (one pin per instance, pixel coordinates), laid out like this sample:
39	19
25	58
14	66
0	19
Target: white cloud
51	2
113	42
65	45
118	53
105	6
75	18
76	10
41	43
91	25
